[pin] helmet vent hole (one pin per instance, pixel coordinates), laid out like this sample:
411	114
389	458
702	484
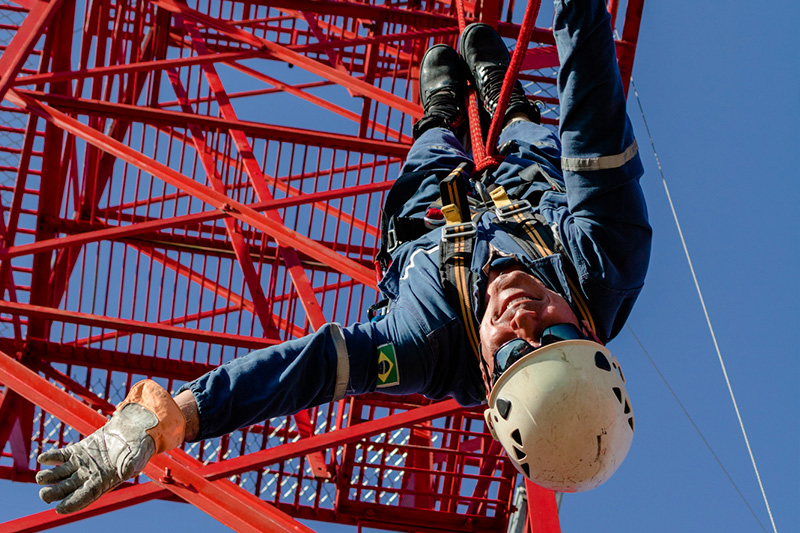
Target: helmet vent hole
601	361
630	422
519	453
526	469
503	407
517	437
627	407
618	392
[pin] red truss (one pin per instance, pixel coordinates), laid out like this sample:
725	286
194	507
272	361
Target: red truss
182	183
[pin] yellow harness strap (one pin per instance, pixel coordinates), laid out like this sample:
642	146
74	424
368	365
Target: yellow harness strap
537	239
455	260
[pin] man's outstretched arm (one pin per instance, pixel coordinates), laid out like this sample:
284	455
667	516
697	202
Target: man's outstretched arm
276	381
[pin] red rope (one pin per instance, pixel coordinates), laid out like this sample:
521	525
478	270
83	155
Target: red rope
528	23
476	135
487	159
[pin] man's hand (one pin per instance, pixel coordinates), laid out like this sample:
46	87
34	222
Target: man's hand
115	452
146	423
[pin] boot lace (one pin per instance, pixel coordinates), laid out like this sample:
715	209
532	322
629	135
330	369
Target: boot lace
443	104
491	84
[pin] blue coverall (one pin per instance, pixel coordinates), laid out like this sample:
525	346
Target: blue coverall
601	219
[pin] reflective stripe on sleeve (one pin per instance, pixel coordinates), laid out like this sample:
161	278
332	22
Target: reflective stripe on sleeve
577	164
342	362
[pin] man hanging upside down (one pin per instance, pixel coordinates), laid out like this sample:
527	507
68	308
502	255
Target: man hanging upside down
508	296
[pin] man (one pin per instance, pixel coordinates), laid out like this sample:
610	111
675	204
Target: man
583	183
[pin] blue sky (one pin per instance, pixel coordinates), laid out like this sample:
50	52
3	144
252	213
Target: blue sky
720	87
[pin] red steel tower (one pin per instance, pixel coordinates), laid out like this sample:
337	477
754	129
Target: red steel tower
182	183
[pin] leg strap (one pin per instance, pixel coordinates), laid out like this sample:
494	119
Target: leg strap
455	260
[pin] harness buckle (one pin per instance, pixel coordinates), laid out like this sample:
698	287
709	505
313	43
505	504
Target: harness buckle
391	240
378	310
458	231
507	212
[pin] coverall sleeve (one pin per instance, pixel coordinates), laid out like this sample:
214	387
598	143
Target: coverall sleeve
283	379
605	226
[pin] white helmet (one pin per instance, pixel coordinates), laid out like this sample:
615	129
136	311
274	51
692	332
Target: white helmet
563	415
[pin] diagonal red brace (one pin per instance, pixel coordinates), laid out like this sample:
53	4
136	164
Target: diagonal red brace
20	47
143	492
226	502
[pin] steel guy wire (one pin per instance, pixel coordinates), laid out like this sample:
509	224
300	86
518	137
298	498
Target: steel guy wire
705	312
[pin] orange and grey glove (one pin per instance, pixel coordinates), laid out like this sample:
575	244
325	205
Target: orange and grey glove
146	423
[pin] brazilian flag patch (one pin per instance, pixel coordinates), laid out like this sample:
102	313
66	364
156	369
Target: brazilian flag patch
388	375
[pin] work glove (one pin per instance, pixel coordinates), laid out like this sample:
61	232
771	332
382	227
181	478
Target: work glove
146	423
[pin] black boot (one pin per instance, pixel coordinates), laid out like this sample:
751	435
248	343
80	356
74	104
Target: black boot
487	59
442	91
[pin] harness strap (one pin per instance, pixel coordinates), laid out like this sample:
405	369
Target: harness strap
396	230
455	260
532	233
454	193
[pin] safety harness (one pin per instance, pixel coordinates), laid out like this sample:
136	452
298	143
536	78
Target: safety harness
528	229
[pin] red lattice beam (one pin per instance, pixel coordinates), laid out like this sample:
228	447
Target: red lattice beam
227	205
17	52
226	502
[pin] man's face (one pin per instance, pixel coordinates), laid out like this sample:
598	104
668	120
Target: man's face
519	305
